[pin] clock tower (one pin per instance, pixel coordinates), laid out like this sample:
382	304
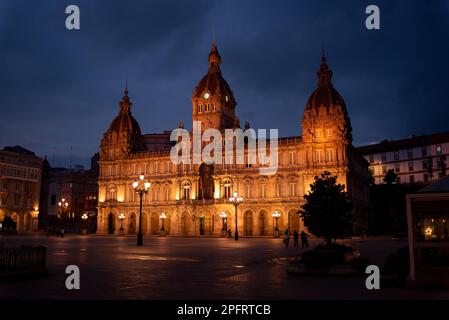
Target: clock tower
213	102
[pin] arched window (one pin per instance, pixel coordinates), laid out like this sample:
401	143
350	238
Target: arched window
112	192
186	186
227	188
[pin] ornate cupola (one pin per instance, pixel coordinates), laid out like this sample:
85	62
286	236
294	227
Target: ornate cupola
212	100
123	136
326	127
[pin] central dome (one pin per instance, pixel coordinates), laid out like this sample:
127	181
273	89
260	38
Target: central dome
213	82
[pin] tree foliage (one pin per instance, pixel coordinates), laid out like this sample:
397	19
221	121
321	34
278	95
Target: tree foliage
390	177
327	212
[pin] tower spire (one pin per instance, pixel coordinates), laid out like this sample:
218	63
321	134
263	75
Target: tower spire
324	74
125	103
214	58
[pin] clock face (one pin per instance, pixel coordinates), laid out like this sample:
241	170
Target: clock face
206	95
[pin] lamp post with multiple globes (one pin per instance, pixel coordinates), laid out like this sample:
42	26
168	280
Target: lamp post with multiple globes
141	187
236	200
223	216
84	217
163	216
63	206
121	217
276	214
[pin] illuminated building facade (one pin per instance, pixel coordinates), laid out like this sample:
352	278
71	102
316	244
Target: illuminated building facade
415	160
193	196
20	185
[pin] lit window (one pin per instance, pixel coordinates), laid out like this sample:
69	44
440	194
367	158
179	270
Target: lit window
439	149
411	166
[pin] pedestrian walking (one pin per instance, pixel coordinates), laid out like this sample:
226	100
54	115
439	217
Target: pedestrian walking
296	239
229	234
286	237
304	241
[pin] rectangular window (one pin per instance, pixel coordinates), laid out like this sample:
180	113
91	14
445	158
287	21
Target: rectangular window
425	165
384	169
384	157
329	132
319	133
371	158
292	157
426	177
411	179
424	152
330	155
319	156
262	191
439	149
278	190
397	168
53	200
396	156
5	185
399	179
410	154
293	189
411	166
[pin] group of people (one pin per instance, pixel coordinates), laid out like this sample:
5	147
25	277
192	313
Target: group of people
296	236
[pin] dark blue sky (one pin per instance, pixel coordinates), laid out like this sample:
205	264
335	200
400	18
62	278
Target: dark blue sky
60	88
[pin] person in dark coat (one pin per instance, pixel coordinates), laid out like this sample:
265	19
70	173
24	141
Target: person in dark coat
304	241
296	238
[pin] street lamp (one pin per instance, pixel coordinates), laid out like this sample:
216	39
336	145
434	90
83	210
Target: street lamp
63	206
236	200
121	217
276	214
223	216
141	187
84	217
163	216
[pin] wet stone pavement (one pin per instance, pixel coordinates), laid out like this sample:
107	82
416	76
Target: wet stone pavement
192	268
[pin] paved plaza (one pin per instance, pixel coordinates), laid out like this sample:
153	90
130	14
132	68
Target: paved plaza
192	268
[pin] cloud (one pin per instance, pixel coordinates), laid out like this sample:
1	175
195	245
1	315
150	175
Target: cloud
61	88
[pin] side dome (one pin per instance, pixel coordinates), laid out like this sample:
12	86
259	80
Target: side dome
325	95
123	135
